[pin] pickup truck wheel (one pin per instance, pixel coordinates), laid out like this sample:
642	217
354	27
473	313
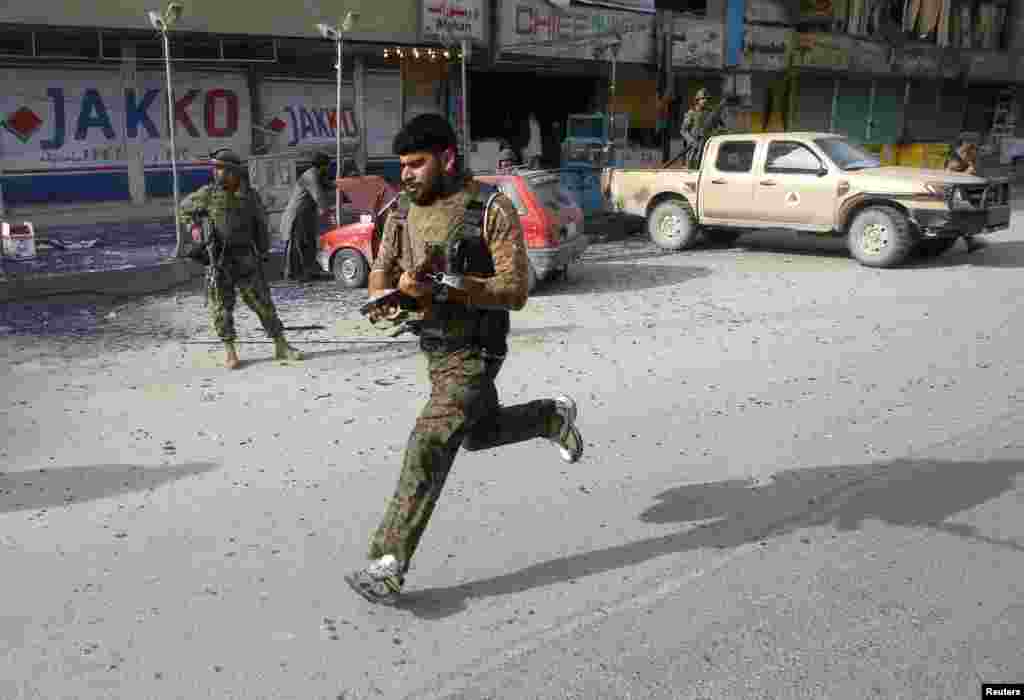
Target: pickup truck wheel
721	236
350	268
934	247
672	225
880	237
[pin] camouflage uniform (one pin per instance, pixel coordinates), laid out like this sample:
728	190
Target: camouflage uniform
463	409
241	224
697	126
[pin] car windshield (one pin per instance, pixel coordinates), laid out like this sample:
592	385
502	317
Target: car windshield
845	155
551	193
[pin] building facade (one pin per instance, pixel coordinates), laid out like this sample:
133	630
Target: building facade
85	116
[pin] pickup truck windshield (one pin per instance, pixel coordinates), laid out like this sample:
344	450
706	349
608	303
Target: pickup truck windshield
845	155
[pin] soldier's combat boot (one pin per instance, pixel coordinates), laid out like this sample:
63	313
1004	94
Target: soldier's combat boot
284	351
568	438
231	360
380	582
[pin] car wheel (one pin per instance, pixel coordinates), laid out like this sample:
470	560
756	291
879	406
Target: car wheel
350	268
721	236
672	225
880	237
934	247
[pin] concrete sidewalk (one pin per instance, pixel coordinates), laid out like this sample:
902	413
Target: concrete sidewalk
121	249
64	215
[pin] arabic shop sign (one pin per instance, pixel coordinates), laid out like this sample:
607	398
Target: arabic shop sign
444	20
57	119
828	51
698	44
765	48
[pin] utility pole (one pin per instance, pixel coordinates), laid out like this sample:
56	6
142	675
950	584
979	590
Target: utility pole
668	83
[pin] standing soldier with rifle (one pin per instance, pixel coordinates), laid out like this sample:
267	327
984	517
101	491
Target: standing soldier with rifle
234	243
446	219
698	125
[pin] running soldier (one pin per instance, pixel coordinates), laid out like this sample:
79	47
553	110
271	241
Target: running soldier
463	337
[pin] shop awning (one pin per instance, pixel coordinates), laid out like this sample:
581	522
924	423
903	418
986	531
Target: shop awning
644	6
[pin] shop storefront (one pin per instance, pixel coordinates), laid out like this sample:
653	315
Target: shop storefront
70	134
555	63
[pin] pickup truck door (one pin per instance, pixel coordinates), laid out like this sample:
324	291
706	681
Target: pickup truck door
795	187
727	181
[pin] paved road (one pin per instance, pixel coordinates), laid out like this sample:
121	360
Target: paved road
802	479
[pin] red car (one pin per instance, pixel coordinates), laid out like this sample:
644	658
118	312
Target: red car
552	227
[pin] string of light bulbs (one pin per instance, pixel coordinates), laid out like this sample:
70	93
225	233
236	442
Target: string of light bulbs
417	53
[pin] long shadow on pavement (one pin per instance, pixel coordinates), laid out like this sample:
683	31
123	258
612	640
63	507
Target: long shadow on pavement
1008	254
47	488
616	277
904	493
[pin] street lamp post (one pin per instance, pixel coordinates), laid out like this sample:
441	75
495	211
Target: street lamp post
162	23
465	49
337	35
612	49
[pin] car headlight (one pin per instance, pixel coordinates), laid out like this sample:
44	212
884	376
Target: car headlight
957	200
952	195
940	190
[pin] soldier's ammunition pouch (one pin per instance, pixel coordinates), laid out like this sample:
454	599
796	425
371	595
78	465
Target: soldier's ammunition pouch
456	327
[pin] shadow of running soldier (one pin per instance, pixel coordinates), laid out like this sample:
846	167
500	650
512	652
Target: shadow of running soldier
234	243
463	335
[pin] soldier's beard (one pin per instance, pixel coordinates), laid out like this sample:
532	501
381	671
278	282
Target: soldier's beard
437	185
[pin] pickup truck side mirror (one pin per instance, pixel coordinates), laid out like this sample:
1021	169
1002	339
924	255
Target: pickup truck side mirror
822	171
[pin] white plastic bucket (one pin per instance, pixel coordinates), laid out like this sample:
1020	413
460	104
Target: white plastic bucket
19	240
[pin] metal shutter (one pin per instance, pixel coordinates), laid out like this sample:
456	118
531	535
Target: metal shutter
383	103
922	126
813	109
950	112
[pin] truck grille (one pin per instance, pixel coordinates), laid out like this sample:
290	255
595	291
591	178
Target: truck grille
984	196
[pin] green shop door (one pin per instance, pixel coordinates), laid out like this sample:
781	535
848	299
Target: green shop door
887	112
869	113
852	110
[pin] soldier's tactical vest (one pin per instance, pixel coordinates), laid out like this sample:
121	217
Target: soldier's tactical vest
458	325
234	225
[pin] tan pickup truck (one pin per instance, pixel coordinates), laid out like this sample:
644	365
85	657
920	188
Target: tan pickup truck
816	183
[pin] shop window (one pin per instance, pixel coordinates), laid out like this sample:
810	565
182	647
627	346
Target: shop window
68	43
14	42
735	157
958	24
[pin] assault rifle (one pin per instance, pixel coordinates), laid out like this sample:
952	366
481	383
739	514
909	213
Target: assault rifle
441	267
207	249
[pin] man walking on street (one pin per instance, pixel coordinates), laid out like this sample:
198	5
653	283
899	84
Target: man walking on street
464	338
300	222
237	243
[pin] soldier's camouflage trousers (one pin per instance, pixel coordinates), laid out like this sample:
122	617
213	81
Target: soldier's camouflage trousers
463	411
242	277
